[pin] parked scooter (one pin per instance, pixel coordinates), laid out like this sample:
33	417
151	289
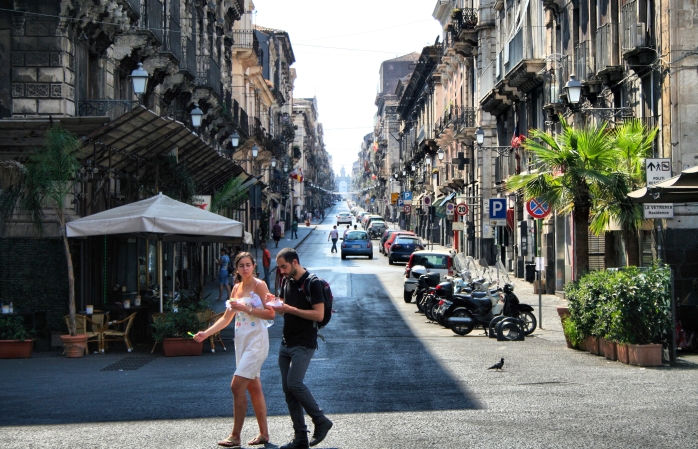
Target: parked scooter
480	307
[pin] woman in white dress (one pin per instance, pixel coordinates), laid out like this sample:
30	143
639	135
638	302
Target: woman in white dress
252	317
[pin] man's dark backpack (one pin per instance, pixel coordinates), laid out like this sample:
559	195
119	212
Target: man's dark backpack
326	298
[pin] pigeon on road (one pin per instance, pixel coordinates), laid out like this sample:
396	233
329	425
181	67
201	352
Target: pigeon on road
497	366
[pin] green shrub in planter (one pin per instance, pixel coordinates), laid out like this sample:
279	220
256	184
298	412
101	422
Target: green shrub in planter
626	306
569	327
185	319
12	328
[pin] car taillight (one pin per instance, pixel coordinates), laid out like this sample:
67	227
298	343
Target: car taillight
344	245
396	246
368	245
450	267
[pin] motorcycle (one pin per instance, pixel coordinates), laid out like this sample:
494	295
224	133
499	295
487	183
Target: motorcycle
484	303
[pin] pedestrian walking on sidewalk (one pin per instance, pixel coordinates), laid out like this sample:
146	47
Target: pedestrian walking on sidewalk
294	228
334	235
266	263
276	232
301	314
223	261
252	317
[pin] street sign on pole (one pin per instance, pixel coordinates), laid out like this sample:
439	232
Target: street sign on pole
659	210
407	196
498	208
394	197
450	208
462	209
426	200
400	202
537	208
408	208
657	170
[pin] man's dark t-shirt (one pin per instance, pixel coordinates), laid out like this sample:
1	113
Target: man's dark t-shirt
299	331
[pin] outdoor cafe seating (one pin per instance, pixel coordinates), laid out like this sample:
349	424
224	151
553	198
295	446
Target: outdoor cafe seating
118	330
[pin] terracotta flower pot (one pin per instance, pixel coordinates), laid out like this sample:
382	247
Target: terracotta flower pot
175	347
645	355
74	345
593	345
622	352
610	349
16	349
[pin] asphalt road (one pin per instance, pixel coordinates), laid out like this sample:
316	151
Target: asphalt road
386	377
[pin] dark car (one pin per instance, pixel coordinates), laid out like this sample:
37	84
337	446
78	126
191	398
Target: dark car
402	248
376	228
389	239
357	243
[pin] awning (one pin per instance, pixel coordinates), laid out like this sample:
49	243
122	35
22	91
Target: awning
679	189
143	135
448	197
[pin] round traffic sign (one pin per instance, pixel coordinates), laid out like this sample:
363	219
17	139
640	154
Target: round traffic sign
537	208
462	209
426	200
408	208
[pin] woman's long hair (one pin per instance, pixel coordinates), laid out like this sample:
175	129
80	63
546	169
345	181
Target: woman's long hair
238	258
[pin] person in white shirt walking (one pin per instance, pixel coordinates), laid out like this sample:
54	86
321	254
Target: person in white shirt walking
334	235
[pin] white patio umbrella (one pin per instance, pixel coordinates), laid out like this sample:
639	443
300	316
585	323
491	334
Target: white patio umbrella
163	219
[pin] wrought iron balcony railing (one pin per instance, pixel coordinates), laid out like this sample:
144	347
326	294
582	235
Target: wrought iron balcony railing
100	108
208	74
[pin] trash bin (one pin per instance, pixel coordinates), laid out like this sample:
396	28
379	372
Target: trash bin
530	272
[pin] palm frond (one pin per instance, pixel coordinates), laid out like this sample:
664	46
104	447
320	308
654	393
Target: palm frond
231	195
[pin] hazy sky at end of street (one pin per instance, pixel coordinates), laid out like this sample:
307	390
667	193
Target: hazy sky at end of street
339	47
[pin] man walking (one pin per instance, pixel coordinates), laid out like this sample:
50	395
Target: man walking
266	263
294	228
298	345
276	232
334	235
345	232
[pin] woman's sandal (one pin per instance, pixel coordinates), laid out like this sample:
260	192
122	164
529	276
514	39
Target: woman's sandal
259	439
230	442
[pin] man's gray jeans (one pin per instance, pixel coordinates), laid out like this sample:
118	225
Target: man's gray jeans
293	363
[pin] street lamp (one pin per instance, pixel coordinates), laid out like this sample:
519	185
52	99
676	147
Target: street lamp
196	114
234	139
573	89
139	78
440	154
479	136
255	151
273	162
414	168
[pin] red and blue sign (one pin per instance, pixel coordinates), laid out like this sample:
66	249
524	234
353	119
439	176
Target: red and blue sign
538	208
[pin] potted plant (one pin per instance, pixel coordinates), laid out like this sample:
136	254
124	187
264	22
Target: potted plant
173	329
15	340
44	183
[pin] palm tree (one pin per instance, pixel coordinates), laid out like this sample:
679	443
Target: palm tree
44	182
633	142
572	166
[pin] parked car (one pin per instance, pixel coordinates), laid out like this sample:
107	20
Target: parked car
403	247
435	261
391	238
372	218
365	218
356	243
344	218
384	238
376	228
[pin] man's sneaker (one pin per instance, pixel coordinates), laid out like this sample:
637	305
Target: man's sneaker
299	442
321	432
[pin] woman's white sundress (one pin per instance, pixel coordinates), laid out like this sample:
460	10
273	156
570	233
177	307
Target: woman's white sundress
251	339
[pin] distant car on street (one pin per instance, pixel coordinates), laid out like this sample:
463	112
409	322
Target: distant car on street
344	218
376	228
357	243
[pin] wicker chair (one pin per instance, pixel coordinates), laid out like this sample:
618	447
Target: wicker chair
217	336
95	333
113	332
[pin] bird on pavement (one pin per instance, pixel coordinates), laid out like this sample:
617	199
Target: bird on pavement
497	366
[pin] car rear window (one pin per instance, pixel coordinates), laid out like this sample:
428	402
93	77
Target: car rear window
407	240
437	261
356	235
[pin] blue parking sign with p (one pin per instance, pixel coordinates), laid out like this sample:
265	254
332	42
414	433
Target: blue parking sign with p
498	208
400	202
407	196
